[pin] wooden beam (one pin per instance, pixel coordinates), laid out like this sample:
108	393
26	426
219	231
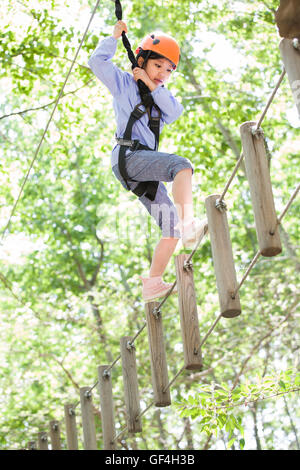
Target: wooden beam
258	175
159	368
222	258
188	313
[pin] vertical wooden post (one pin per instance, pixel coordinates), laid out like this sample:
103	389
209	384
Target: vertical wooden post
291	58
159	368
222	258
130	380
258	175
188	313
31	445
107	407
71	431
42	441
88	420
55	435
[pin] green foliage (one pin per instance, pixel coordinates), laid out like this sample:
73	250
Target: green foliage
216	404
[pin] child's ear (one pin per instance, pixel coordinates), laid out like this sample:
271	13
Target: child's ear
140	62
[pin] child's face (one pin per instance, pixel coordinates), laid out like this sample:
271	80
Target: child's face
159	70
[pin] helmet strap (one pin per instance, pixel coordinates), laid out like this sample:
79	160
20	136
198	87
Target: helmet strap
145	56
148	53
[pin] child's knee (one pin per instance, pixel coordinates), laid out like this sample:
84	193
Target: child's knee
185	170
182	164
171	240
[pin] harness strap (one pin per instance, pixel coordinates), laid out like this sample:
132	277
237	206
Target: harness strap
154	123
149	188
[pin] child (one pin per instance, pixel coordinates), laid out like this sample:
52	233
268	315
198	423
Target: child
157	58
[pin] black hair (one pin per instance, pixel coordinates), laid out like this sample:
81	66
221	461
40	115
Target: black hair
155	55
148	55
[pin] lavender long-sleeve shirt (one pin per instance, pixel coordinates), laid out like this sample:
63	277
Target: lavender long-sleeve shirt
126	96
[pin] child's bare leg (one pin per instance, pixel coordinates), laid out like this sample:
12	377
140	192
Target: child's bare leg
183	198
182	194
161	256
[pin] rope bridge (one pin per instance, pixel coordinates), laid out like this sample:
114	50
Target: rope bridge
266	222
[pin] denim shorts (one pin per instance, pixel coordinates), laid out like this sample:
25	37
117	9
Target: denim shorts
148	165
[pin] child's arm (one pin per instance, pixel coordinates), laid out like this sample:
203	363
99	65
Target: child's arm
171	108
102	66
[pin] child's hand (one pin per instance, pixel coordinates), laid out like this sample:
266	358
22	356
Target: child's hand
120	26
141	74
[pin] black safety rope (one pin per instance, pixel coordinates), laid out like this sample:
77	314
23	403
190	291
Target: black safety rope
125	40
146	97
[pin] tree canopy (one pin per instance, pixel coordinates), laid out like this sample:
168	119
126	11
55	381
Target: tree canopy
77	242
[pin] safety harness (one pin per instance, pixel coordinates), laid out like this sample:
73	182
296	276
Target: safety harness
147	188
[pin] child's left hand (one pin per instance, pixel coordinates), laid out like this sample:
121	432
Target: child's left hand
141	74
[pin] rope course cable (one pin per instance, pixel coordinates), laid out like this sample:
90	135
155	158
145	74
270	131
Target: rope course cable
188	263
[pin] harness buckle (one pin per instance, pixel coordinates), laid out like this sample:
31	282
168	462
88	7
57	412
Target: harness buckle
154	122
132	144
124	142
137	113
136	144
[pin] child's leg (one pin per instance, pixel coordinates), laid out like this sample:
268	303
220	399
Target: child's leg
161	256
182	194
183	198
147	165
192	230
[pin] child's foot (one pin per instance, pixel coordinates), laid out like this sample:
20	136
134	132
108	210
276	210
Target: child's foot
193	232
155	287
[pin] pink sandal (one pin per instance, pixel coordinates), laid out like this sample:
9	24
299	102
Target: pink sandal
155	288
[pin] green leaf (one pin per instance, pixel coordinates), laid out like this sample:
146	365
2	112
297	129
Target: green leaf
242	443
282	385
230	443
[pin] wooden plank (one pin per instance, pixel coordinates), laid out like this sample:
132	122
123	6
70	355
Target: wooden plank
107	408
159	368
287	17
42	441
188	314
88	419
258	175
71	431
291	59
130	380
31	445
222	258
55	435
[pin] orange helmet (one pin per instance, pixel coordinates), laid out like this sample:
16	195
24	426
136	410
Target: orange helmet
162	44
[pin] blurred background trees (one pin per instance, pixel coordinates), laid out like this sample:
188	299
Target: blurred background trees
71	256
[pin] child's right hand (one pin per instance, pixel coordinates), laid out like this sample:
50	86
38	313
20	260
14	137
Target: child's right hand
120	26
